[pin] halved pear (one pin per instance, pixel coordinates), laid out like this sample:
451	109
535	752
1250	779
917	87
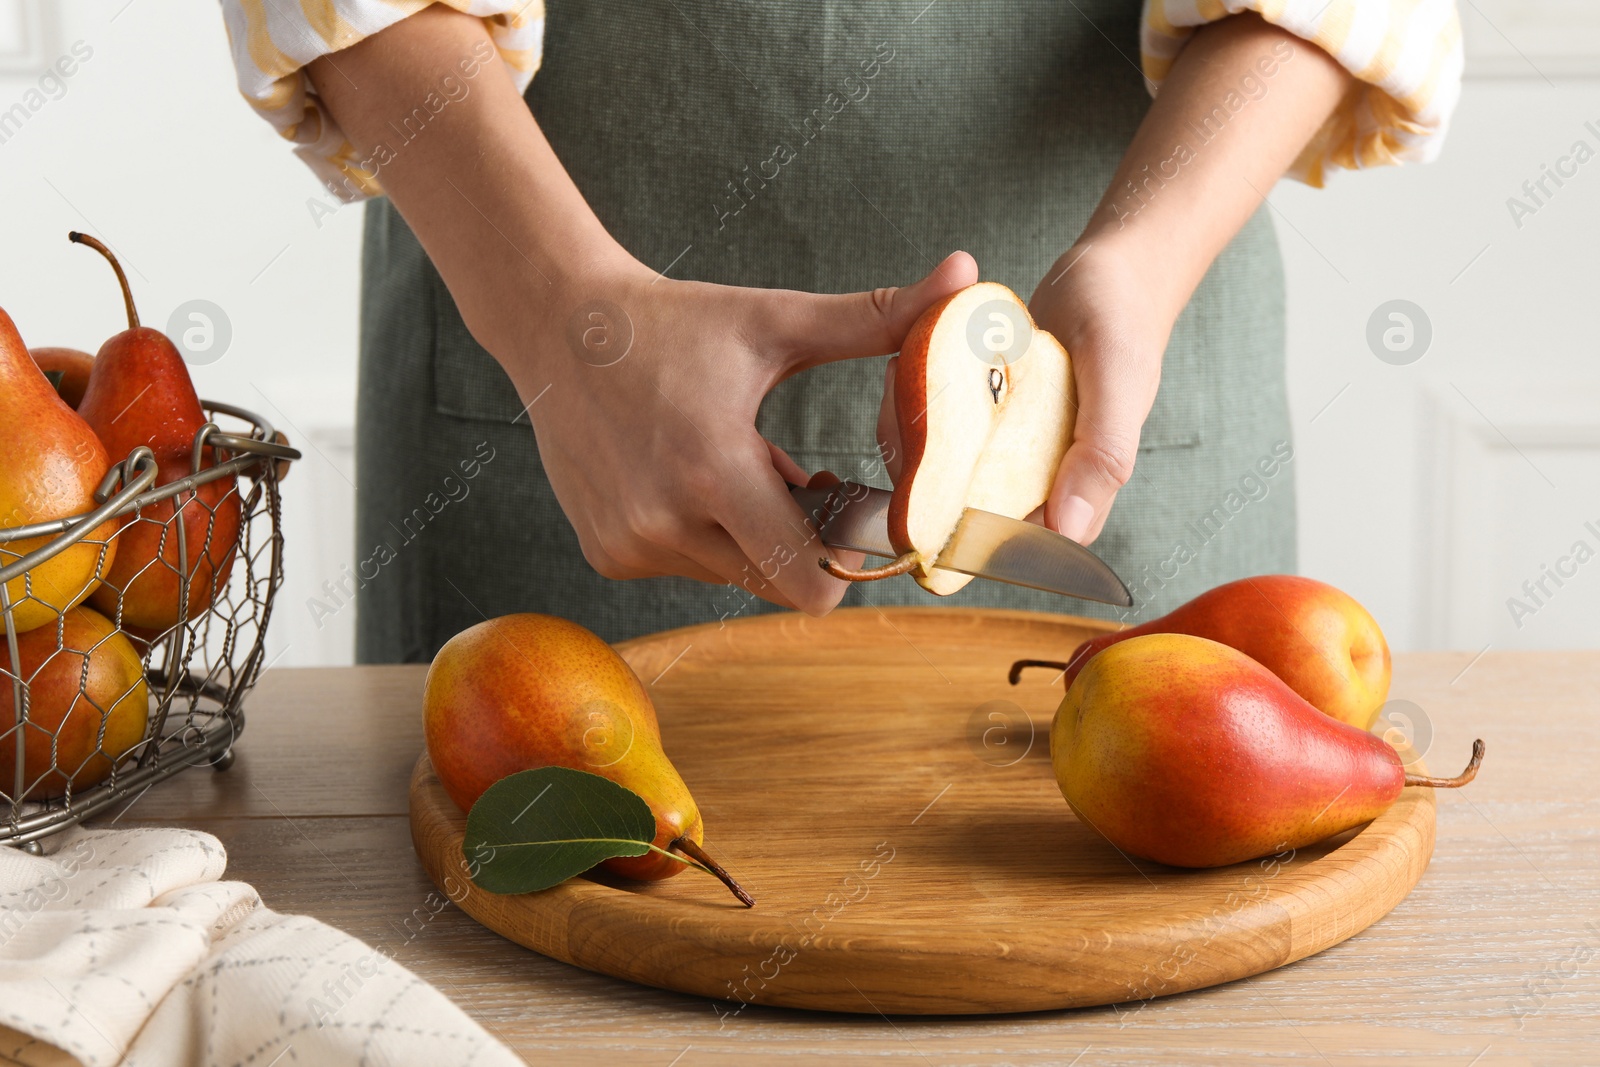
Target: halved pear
984	401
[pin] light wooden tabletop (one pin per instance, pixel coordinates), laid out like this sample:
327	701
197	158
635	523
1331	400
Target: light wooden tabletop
1493	959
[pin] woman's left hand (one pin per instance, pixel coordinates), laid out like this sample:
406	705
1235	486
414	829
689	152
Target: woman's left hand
1112	299
1098	303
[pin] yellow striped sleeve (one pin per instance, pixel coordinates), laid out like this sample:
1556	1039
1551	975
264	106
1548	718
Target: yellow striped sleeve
1405	54
272	41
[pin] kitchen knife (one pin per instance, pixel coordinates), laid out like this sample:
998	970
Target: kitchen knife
985	545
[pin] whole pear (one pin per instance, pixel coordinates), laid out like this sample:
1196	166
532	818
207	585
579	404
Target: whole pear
526	691
88	704
1319	640
51	463
140	393
1190	753
142	588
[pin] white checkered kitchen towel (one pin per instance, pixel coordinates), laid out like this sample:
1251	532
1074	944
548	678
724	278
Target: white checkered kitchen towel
123	947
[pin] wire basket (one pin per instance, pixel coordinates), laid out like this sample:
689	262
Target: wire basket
147	676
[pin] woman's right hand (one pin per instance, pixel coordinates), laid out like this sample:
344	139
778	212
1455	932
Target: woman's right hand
643	393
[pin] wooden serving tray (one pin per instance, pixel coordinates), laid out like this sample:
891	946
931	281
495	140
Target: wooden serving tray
907	851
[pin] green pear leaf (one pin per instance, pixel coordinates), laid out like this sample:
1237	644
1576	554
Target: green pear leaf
535	829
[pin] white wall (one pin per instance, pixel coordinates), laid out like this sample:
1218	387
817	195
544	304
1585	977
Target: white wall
152	148
1430	491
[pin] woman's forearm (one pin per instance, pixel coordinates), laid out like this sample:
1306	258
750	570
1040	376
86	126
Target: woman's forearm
427	105
1242	100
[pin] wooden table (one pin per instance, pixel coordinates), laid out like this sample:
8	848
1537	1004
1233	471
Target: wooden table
1493	959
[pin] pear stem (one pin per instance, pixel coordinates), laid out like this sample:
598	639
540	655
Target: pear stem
902	563
122	279
687	846
1023	664
1459	780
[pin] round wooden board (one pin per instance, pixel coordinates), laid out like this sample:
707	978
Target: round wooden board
907	853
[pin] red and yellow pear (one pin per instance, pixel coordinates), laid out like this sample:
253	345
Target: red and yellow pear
526	691
51	463
1190	753
88	704
1319	640
140	393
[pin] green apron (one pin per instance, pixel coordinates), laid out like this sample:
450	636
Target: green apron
828	147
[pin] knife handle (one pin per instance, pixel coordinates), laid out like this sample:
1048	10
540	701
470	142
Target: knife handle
814	502
849	515
823	503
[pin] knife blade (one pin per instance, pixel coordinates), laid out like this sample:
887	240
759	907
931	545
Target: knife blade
985	545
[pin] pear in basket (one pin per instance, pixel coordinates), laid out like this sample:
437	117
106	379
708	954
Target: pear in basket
140	393
87	704
72	364
51	462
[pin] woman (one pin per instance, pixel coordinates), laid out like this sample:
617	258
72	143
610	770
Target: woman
698	200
